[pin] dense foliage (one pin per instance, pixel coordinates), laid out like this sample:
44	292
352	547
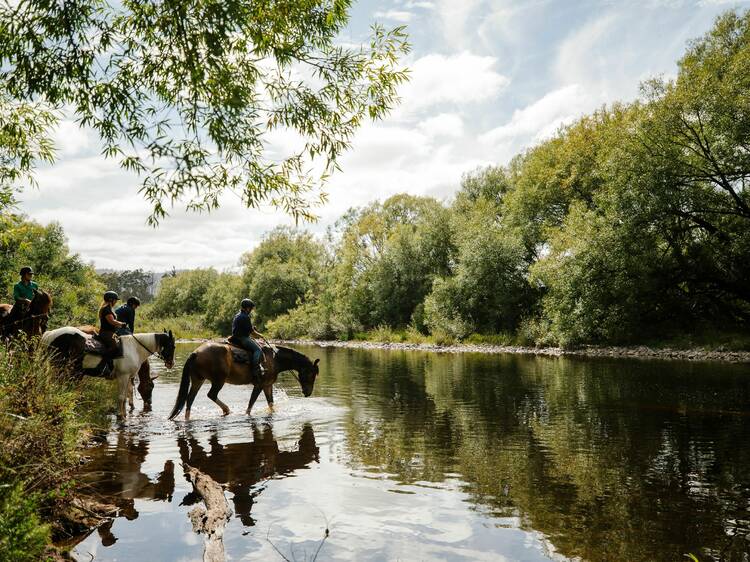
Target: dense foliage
74	286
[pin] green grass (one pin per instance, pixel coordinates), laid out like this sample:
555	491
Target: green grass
710	340
44	418
185	326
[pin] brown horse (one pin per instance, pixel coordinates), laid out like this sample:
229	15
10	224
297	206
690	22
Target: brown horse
238	467
220	364
30	320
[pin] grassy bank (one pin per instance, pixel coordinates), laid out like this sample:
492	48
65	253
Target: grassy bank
187	326
708	341
44	419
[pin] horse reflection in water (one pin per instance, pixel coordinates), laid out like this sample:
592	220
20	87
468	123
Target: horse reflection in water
239	466
116	476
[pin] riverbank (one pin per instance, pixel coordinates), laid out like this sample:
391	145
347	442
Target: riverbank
46	420
634	352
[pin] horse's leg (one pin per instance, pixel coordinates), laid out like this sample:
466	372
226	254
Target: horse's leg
131	382
213	394
268	391
123	381
253	398
195	385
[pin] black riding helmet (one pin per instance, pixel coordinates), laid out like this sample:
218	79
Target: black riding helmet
247	303
111	295
134	301
25	270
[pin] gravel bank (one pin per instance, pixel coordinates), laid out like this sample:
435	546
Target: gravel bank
636	352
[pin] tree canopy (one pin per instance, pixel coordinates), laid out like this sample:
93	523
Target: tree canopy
184	93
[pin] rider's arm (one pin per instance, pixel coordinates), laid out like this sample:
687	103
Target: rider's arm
18	296
258	335
111	319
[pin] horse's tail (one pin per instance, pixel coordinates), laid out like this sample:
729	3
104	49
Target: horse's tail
184	385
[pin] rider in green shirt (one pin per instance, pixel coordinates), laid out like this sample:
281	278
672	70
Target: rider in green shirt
23	291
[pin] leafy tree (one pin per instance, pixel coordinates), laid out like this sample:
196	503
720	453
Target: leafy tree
693	168
282	270
184	92
487	290
388	256
130	283
223	301
74	286
185	293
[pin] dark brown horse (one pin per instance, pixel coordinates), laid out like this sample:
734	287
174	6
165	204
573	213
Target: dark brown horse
238	467
30	320
220	363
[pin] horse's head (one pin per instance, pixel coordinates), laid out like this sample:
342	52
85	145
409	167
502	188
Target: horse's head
307	376
39	311
166	343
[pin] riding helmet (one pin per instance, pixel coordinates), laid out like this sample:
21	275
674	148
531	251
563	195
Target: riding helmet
247	303
25	270
134	301
111	295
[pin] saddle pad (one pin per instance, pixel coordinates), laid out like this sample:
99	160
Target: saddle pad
93	346
239	355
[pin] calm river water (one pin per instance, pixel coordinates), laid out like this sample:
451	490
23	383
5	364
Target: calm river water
424	456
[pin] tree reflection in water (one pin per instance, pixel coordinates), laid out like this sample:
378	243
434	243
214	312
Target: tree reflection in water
116	475
240	466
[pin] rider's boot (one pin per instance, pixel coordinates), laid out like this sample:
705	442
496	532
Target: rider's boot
260	371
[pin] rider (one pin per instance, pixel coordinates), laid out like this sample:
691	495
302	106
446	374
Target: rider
108	326
242	329
126	314
23	291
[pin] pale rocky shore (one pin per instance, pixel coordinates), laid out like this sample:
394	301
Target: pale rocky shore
636	352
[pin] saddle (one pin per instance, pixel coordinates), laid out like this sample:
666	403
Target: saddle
93	346
241	355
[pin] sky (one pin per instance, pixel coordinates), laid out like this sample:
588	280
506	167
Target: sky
489	78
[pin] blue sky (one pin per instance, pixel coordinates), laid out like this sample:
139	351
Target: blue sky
489	78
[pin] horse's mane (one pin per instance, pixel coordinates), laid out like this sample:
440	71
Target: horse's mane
289	353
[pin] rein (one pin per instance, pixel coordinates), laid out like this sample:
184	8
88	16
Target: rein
25	319
143	345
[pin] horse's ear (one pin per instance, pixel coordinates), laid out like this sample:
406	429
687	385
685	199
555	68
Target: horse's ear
170	334
316	361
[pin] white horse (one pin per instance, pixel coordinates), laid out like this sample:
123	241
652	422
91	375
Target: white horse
69	344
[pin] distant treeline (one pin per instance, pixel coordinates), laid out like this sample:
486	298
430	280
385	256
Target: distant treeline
632	223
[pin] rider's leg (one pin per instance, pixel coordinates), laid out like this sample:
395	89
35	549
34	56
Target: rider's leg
257	355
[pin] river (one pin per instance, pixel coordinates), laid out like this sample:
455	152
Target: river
406	455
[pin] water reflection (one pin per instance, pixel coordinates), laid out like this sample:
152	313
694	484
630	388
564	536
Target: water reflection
600	460
240	466
610	460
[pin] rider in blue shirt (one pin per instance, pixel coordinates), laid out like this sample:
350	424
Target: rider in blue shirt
242	329
126	314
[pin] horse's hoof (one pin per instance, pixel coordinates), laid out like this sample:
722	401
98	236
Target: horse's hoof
226	412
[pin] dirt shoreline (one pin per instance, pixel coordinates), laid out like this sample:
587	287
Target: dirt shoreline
631	352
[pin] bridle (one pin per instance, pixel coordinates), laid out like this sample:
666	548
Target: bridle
158	353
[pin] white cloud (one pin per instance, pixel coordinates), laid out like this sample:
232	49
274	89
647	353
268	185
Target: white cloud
454	16
541	119
72	140
460	79
416	4
395	15
581	60
442	125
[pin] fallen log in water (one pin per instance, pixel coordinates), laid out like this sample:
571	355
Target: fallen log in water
209	520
